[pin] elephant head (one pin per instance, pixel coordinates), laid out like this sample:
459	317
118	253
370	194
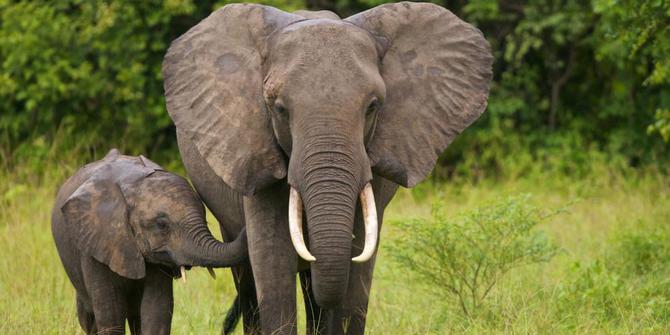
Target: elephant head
130	210
325	103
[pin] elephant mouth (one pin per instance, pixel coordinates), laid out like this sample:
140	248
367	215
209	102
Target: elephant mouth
174	269
181	272
177	272
165	258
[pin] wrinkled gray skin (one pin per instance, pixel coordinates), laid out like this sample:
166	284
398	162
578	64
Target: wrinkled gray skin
263	100
123	226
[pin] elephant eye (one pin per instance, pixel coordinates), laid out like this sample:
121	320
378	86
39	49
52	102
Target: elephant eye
372	106
162	223
279	109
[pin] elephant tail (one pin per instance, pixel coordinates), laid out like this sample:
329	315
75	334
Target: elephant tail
232	317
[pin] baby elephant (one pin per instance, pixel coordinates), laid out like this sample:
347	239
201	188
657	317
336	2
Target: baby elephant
124	228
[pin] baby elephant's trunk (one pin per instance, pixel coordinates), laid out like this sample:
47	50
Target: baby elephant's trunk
202	249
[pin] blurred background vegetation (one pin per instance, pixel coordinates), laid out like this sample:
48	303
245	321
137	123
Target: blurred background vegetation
573	80
578	116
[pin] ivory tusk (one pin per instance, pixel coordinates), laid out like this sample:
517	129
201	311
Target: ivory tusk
295	225
211	272
370	220
183	273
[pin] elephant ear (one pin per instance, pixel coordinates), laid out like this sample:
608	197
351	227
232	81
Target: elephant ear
214	93
98	217
437	71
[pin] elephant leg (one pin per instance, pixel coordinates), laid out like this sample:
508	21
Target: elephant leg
157	302
135	324
85	315
247	304
108	296
312	310
273	260
134	303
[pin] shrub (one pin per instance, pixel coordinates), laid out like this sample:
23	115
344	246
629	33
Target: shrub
642	251
631	275
465	256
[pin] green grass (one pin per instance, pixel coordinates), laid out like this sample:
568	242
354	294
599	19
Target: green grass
611	276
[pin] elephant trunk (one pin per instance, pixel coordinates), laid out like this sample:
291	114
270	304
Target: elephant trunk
327	177
202	249
330	214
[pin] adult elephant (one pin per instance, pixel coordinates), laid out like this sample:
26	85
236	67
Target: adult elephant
283	117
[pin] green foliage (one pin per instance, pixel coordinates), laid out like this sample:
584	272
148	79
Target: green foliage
573	79
662	124
632	274
641	252
86	67
83	68
465	257
565	82
636	39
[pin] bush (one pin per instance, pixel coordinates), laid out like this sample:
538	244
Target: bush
464	257
641	253
632	274
86	67
90	70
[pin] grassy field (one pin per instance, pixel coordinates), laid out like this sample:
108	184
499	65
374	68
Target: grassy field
611	276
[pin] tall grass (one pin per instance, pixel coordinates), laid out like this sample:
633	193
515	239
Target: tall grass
610	277
615	223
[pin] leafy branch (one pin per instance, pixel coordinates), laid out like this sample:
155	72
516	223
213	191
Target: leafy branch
464	257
